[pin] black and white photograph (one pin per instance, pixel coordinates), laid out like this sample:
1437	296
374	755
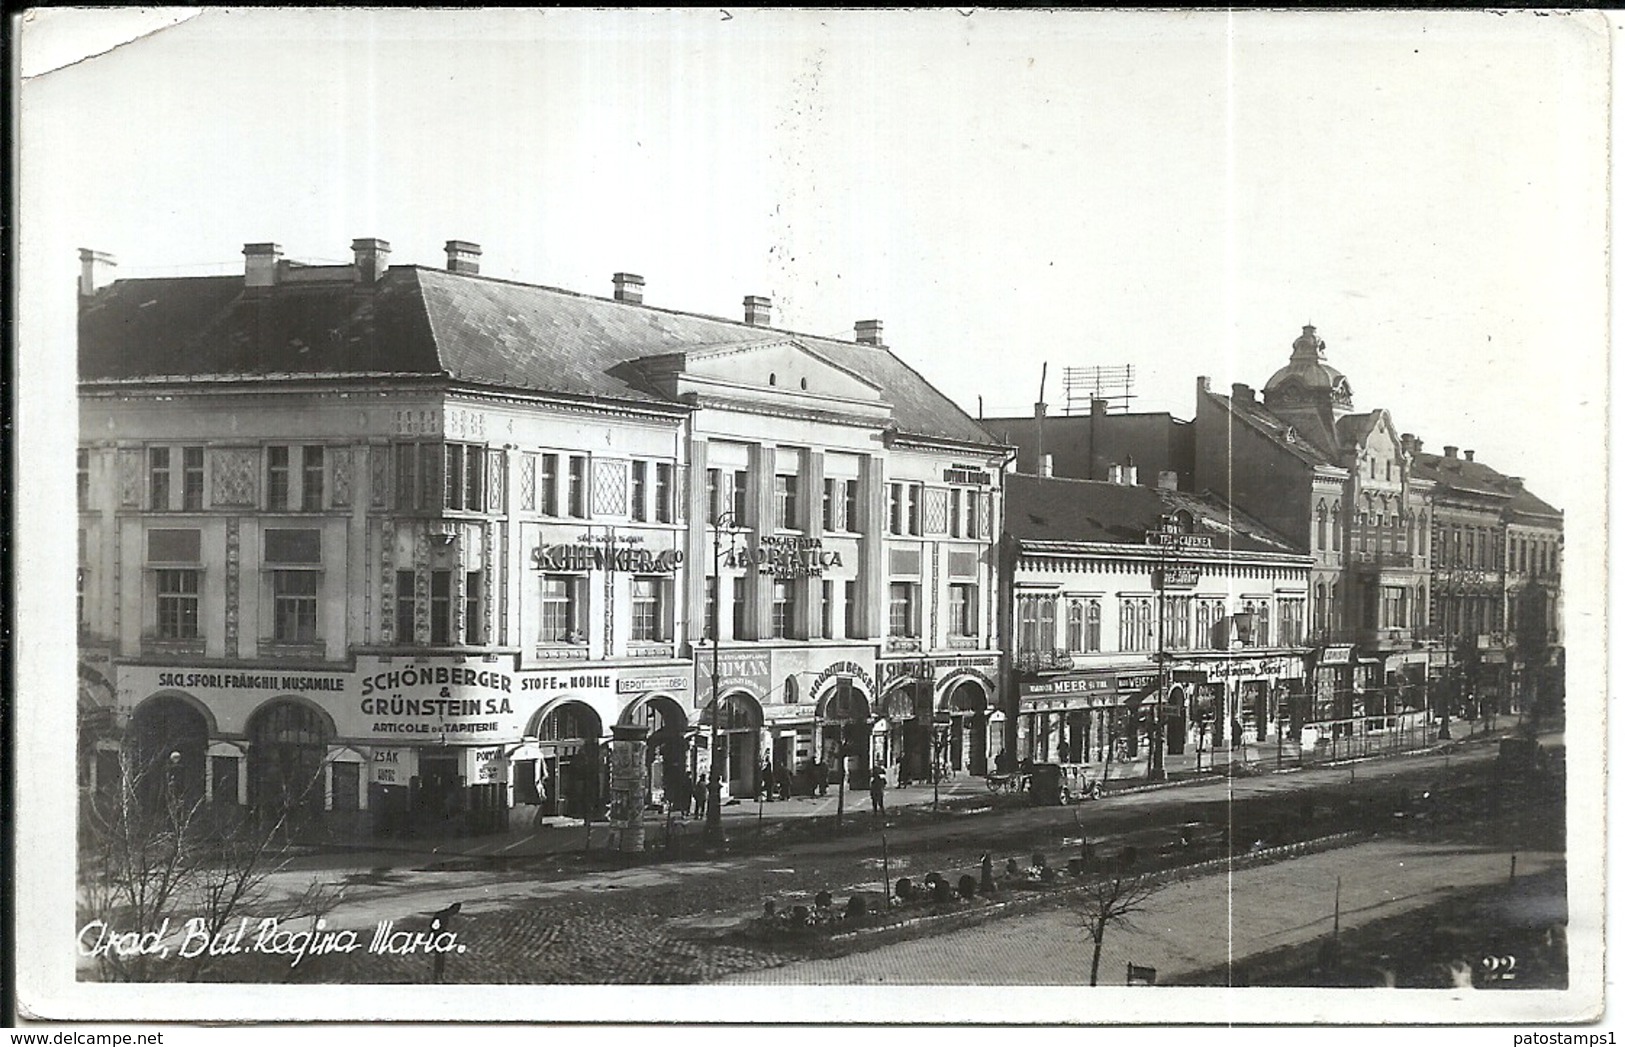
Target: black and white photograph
930	516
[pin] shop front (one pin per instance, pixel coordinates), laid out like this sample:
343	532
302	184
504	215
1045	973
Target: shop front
1081	718
425	746
937	713
1237	700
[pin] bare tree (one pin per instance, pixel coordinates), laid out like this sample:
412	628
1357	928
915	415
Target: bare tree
1112	902
157	862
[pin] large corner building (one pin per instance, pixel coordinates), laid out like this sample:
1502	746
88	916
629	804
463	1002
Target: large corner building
425	538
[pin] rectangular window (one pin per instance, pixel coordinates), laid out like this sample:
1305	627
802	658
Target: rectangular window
973	514
640	490
713	495
406	476
831	504
346	786
665	485
474	608
177	604
710	625
578	487
903	619
406	603
310	480
464	477
293	595
850	609
192	478
826	609
962	608
648	609
440	608
781	607
894	508
82	464
276	479
158	478
741	489
474	479
956	504
915	491
850	519
549	484
785	510
562	608
739	630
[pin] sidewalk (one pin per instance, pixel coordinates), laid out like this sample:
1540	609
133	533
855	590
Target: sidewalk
557	836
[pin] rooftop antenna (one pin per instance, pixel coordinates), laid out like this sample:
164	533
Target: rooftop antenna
1039	409
1112	383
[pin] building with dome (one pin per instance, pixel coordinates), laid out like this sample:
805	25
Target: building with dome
1338	481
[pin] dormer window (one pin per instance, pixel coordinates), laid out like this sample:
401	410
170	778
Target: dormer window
772	378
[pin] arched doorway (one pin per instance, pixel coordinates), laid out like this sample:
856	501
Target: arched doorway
665	752
843	727
966	705
739	735
287	744
907	711
169	757
567	735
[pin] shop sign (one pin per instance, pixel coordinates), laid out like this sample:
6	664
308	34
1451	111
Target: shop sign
639	684
852	669
1106	700
1337	655
966	474
1248	667
1070	685
393	766
1181	576
785	556
736	670
1137	682
584	556
906	669
488	766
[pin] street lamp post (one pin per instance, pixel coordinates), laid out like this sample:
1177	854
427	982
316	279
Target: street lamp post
713	788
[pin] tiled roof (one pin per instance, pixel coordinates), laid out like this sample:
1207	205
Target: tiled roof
1476	477
1262	420
1050	509
429	322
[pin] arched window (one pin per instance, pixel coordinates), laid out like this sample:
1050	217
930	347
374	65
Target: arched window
1320	607
1320	526
1337	528
1091	633
1074	626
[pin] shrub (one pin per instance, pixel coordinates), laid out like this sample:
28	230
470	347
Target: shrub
857	907
942	891
904	889
823	900
967	886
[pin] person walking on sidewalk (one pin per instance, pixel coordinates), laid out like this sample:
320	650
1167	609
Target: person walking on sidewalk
877	791
701	788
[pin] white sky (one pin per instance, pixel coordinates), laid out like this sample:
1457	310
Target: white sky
1179	192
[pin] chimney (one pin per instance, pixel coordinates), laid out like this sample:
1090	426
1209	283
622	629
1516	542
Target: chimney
259	264
1204	384
462	257
758	310
629	288
868	332
95	270
1407	441
371	258
1168	480
1241	392
1047	467
1515	483
1131	473
1468	454
1115	474
1097	406
1449	452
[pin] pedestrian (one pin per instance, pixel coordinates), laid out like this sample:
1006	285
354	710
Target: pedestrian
877	791
701	788
784	783
766	785
821	778
682	795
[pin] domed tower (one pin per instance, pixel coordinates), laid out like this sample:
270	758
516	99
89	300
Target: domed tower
1308	392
